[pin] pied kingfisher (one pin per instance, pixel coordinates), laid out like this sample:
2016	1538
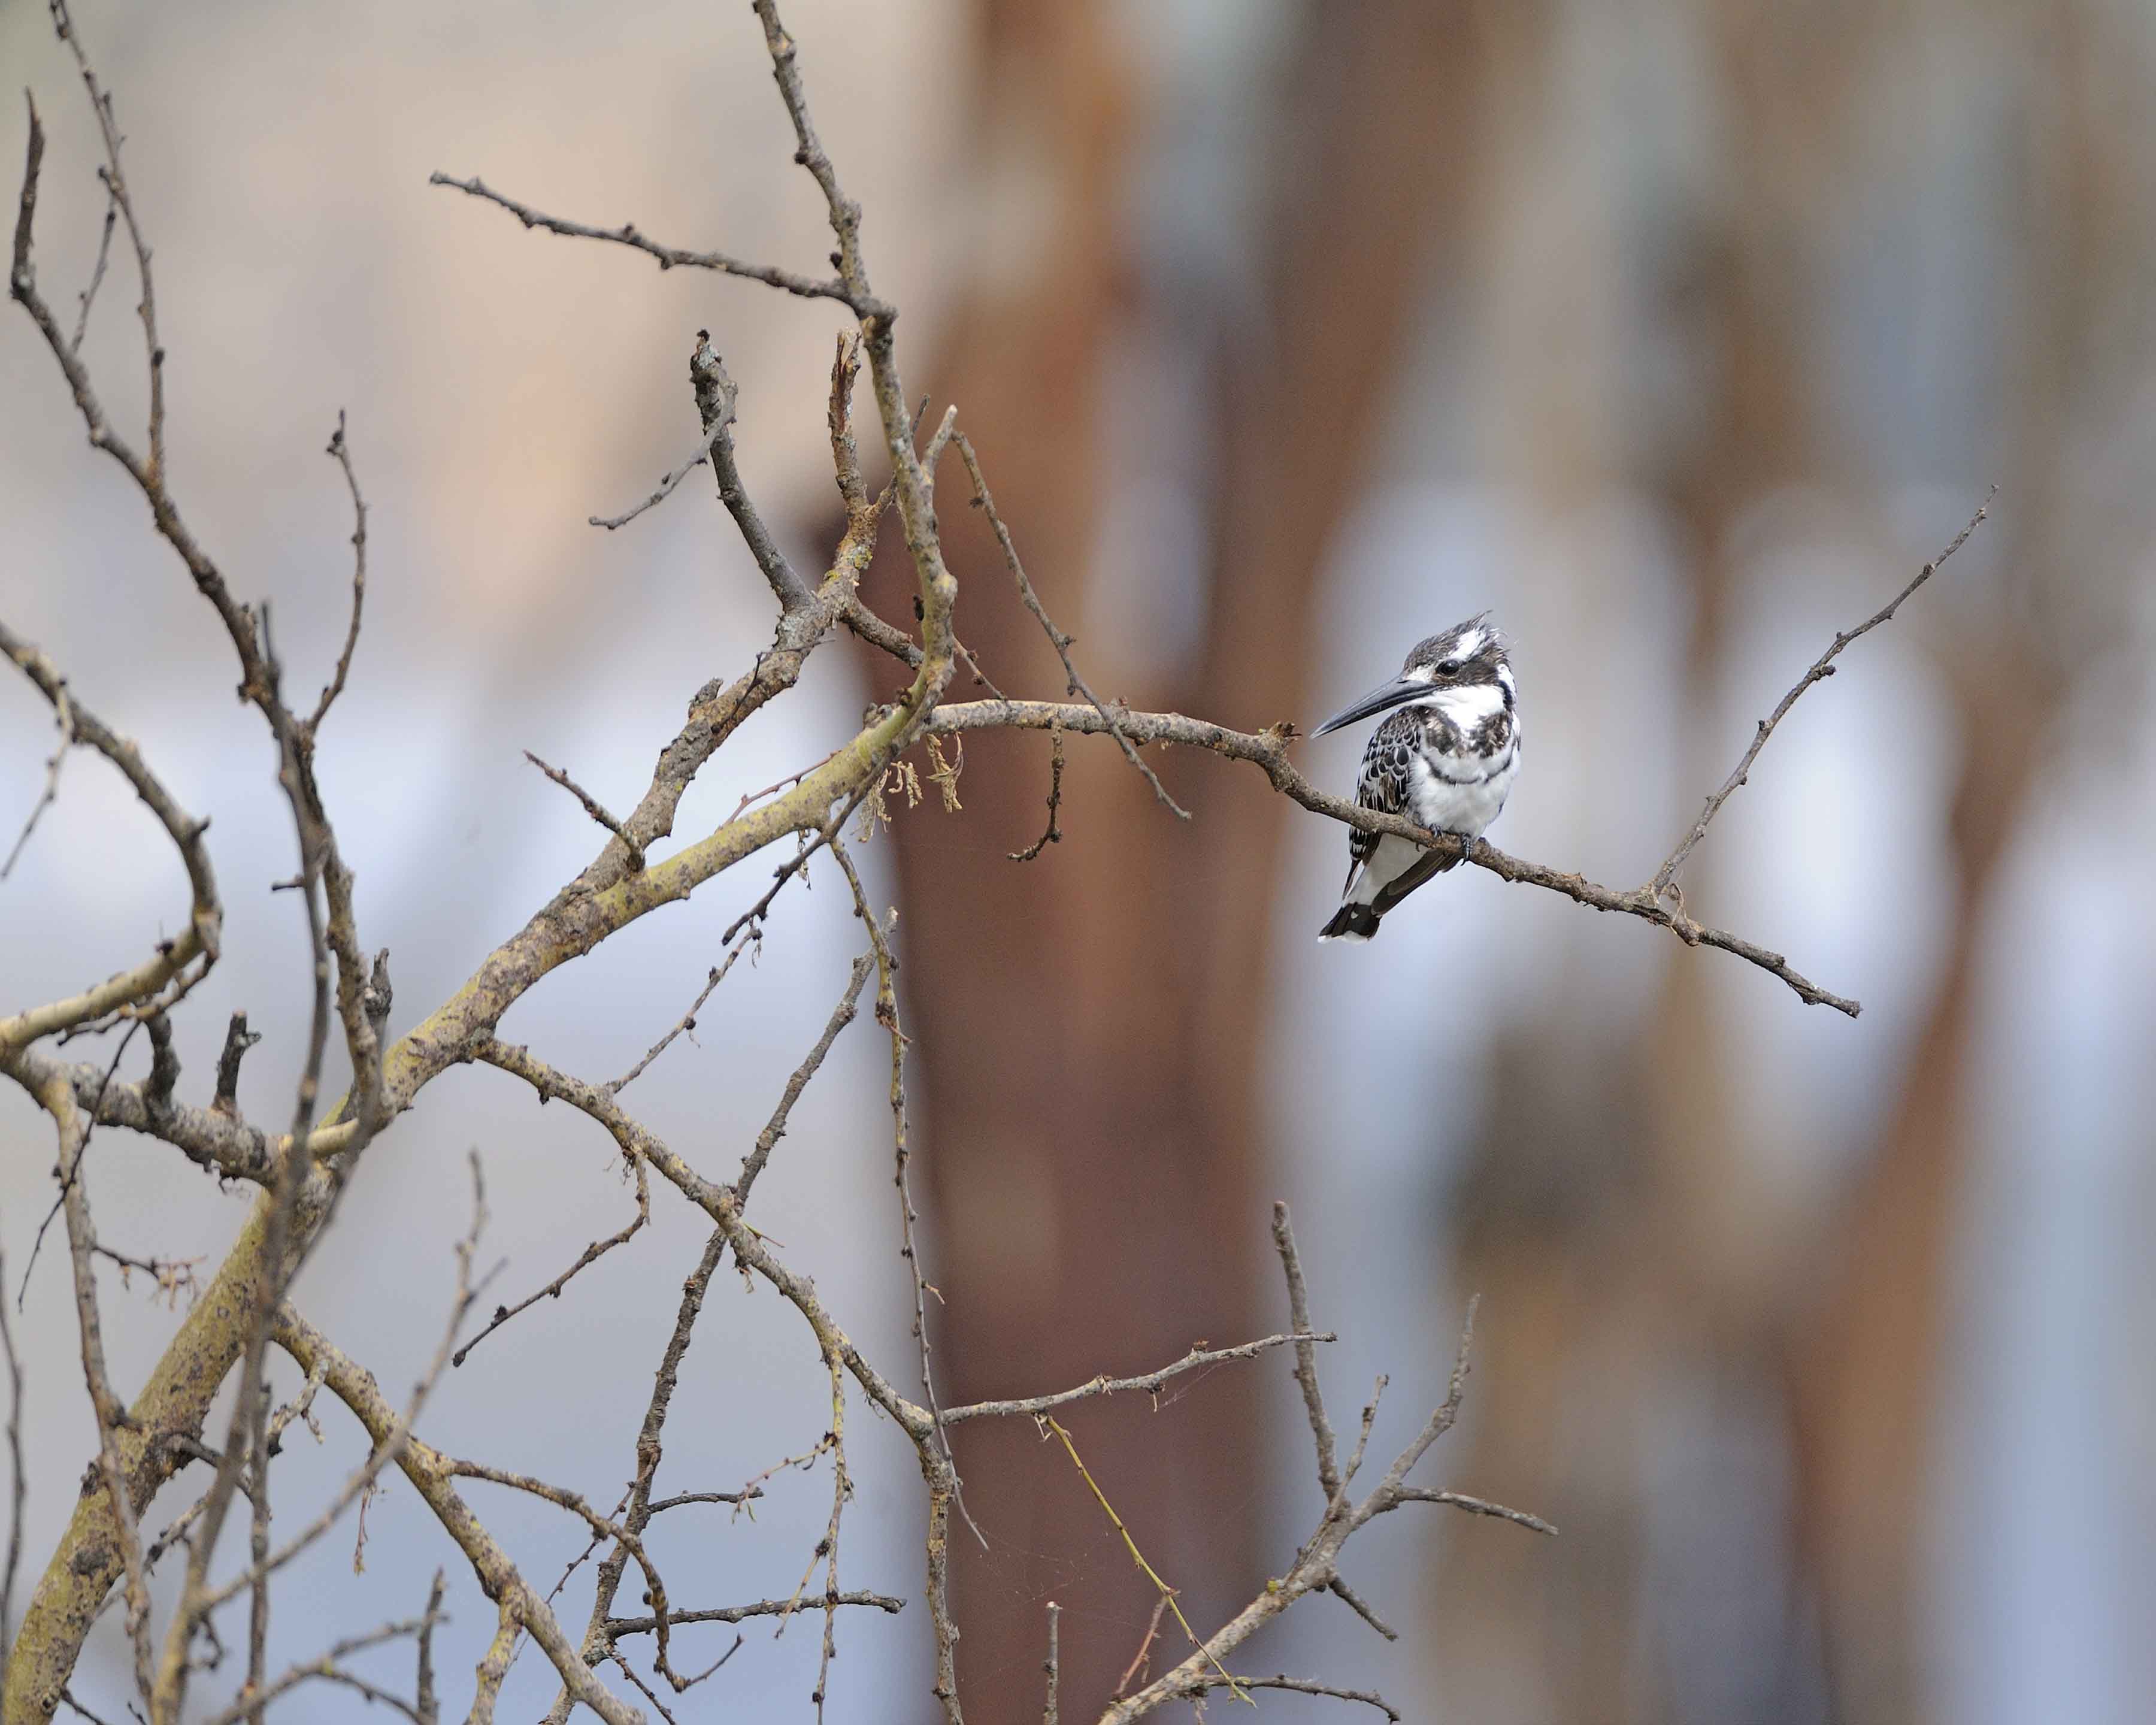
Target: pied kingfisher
1445	760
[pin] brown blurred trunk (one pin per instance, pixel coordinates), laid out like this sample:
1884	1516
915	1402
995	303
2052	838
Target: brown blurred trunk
1614	1222
1867	1370
1090	1026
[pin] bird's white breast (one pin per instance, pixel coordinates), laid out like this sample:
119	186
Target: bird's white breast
1464	793
1450	805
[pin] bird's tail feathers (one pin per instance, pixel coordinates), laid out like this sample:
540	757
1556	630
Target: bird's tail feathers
1351	922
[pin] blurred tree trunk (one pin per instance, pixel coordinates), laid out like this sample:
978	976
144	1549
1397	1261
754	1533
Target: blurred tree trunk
1631	1258
1090	1025
1614	1219
1868	1366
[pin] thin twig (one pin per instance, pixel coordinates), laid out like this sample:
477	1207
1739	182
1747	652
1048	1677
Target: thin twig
88	294
115	186
575	1503
1150	1383
646	1691
1061	642
681	1499
1368	1698
590	1255
64	720
340	451
174	1276
1476	1506
1361	1607
1137	1556
687	1021
774	1129
428	1470
238	1039
828	1549
390	1448
886	1013
593	809
1440	1422
17	1486
323	1666
73	1170
1141	1661
1363	1438
203	932
1053	1665
57	1098
638	1508
1316	1566
826	834
667	257
424	1704
1305	1357
1053	835
1822	668
618	1626
667	485
718	397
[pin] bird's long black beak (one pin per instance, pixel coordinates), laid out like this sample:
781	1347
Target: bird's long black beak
1378	701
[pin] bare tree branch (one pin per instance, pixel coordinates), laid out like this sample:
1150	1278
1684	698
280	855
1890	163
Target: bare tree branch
58	1100
303	1172
1316	1566
18	1479
775	1129
1054	835
620	1626
1267	750
1368	1698
238	1039
205	918
1053	1666
1306	1356
590	1255
324	1668
1151	1384
387	1450
592	808
667	257
429	1472
63	722
1167	1593
1476	1506
1822	668
88	294
668	483
1062	642
340	451
598	1638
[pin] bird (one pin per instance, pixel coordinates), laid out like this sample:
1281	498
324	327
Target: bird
1445	758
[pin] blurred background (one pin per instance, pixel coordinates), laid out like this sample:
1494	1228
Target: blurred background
1676	332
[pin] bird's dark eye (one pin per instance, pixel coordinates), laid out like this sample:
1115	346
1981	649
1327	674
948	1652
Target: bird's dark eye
1448	667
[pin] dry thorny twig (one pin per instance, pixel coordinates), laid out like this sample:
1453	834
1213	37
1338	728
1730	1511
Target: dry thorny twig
301	1174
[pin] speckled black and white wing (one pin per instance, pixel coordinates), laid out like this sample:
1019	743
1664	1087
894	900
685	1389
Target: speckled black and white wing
1383	784
1382	870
